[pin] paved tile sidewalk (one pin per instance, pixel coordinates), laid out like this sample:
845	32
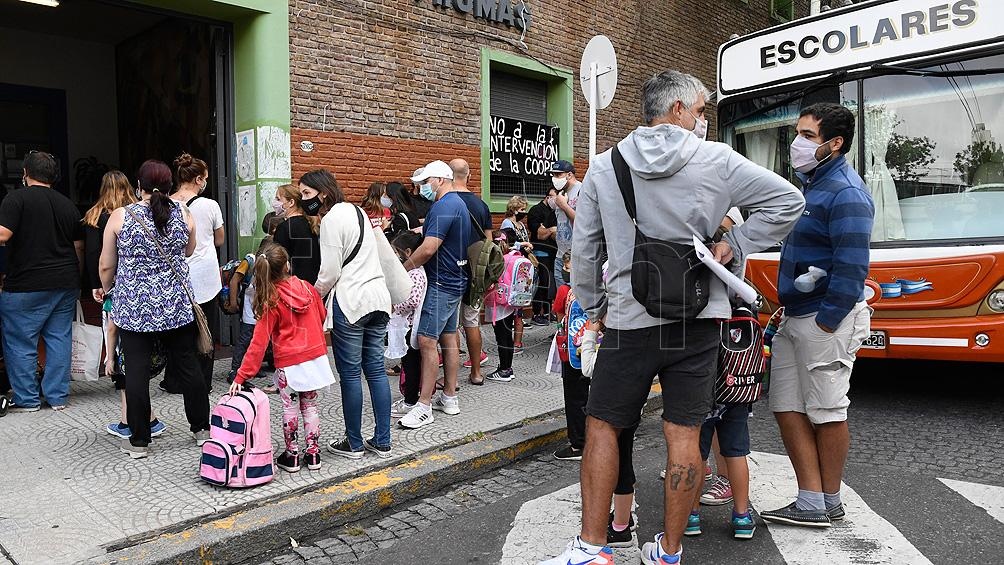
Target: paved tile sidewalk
68	492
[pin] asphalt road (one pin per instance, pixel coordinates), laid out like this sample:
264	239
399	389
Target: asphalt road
924	485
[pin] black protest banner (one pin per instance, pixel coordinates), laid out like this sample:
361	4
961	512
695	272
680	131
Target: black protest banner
522	148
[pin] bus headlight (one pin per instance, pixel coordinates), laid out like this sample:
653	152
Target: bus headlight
996	301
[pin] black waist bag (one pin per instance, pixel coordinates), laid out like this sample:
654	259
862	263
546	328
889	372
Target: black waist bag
667	278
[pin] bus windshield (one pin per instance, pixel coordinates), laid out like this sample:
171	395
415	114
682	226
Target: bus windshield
930	149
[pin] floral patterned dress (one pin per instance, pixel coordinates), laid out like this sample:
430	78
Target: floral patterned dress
149	297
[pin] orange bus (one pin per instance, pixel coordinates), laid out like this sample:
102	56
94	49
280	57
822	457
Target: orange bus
925	79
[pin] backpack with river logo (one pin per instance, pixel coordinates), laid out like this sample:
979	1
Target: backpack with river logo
742	359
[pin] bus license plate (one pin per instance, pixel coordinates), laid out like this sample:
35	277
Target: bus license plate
876	340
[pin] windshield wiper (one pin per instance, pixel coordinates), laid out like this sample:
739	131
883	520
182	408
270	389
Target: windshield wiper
895	70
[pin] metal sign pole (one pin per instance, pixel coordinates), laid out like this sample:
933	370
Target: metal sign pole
593	101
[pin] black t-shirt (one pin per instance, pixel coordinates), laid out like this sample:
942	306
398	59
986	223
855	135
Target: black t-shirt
93	242
422	206
303	246
482	216
542	215
41	253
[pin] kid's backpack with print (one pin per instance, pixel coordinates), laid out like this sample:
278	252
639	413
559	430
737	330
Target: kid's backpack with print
239	451
227	274
577	319
517	284
742	361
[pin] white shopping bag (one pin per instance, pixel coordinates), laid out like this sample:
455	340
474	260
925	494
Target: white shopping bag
87	343
553	359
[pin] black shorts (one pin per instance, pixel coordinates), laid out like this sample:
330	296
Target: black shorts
683	355
733	430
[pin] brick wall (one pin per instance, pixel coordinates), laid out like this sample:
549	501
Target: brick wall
381	88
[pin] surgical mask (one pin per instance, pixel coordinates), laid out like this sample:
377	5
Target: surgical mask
386	202
559	183
278	208
312	206
803	155
520	216
700	127
427	191
551	203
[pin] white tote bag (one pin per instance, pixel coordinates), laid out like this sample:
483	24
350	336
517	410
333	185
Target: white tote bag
87	343
397	279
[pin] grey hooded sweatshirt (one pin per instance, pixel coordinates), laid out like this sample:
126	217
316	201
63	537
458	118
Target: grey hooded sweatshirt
683	186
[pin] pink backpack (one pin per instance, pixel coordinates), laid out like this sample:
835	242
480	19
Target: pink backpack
518	282
239	451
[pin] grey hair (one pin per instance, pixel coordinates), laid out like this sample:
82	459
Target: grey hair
660	92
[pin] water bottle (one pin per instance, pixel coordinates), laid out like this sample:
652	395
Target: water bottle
807	282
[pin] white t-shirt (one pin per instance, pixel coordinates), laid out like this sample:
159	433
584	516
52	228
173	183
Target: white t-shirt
564	235
309	375
247	315
204	264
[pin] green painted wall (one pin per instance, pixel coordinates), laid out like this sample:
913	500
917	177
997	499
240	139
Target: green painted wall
559	108
261	102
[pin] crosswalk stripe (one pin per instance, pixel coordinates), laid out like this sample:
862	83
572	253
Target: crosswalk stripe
987	497
863	536
544	525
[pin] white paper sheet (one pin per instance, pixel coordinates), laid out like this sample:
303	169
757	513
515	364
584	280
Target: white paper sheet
745	292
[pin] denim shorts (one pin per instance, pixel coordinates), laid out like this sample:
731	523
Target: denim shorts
733	430
440	313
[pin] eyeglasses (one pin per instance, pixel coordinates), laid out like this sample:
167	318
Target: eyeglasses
36	151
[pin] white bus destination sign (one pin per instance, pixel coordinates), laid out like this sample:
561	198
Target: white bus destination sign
858	36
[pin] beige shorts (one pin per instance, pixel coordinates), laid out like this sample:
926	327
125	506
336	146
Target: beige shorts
811	369
471	317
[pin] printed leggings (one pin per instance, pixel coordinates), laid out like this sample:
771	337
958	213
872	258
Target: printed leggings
291	413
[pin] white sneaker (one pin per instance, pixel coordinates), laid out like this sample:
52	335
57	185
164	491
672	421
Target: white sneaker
400	409
652	553
446	405
574	553
417	417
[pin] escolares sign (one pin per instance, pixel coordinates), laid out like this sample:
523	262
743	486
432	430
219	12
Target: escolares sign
855	37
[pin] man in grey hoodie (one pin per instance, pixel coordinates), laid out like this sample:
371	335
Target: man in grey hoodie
684	186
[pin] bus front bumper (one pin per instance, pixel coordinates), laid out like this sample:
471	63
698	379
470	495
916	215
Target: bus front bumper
978	338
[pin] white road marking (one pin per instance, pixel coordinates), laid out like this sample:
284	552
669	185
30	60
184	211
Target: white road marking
543	526
987	497
863	537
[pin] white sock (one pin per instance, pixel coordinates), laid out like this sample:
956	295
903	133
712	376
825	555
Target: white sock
588	547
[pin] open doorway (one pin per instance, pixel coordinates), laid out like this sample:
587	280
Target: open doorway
107	84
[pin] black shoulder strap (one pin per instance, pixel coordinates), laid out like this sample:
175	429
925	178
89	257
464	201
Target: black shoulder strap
623	174
192	199
359	244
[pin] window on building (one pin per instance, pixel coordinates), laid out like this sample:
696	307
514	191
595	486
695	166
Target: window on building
783	10
518	106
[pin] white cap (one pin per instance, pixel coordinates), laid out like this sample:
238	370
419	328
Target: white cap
418	172
435	169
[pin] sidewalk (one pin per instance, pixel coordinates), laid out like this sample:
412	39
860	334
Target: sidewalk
69	495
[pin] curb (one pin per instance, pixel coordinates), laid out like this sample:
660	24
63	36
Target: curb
246	533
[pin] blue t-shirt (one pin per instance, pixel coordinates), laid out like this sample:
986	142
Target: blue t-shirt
449	220
480	214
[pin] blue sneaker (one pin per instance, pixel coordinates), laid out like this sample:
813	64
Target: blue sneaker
157	428
119	430
743	527
693	525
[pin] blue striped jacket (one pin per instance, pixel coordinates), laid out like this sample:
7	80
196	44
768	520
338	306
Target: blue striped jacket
833	234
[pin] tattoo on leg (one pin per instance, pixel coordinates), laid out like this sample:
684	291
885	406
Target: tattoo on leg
686	474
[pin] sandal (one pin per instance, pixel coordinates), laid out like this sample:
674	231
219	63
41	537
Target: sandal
440	384
476	383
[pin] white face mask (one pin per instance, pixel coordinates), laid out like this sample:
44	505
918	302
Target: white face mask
700	127
803	155
559	182
386	202
278	208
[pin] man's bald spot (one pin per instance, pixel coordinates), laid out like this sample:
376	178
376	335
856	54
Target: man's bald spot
461	170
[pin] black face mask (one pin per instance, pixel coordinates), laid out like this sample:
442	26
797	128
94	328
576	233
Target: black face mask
311	206
520	216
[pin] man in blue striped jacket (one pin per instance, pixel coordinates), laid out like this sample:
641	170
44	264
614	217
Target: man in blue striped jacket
826	318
